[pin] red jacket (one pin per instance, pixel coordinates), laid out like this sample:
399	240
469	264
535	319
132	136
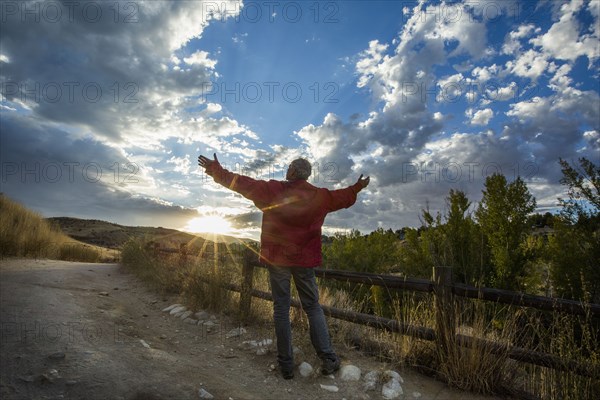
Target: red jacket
293	213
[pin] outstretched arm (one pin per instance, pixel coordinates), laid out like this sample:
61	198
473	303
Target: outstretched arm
344	198
256	190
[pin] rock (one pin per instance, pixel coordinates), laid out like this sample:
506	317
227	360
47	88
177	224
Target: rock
71	382
49	376
330	388
27	378
103	293
185	314
389	374
208	324
416	395
371	379
163	336
171	307
350	373
392	389
177	310
190	321
213	318
272	367
305	369
178	314
261	351
235	332
143	342
57	356
202	315
204	394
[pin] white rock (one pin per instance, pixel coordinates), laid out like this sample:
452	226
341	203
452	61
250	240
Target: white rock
177	310
143	342
265	342
305	369
235	332
330	388
416	395
171	307
350	373
261	351
208	324
204	394
371	379
190	321
185	314
389	374
392	389
202	315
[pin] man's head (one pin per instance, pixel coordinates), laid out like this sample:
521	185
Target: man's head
300	168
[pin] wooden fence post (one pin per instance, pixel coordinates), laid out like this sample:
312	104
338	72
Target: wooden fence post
445	331
247	285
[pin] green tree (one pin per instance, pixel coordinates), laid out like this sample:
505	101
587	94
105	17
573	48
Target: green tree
574	248
465	244
502	215
583	189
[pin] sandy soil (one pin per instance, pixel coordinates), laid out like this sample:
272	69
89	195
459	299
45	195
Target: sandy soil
79	331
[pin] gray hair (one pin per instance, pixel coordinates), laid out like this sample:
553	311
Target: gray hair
302	167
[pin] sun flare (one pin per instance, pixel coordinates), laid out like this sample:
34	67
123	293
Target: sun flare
209	224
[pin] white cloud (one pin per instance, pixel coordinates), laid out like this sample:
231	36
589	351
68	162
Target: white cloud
451	87
480	117
200	58
503	93
563	40
182	164
530	64
512	43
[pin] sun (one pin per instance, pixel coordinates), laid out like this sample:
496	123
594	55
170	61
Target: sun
209	224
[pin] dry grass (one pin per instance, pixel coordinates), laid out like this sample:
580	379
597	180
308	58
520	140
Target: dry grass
24	233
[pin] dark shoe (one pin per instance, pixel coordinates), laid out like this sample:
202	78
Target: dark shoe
330	366
287	374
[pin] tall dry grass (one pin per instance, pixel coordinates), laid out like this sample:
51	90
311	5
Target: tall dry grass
24	233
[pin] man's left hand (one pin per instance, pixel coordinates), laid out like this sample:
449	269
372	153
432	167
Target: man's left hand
363	182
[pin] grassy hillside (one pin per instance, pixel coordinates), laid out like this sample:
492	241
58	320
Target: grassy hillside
24	233
114	236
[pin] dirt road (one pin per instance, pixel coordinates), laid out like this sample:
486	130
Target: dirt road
94	331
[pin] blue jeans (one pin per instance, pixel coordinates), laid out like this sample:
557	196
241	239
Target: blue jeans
304	279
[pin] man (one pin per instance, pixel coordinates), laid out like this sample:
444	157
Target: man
293	213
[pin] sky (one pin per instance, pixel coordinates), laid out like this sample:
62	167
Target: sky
106	105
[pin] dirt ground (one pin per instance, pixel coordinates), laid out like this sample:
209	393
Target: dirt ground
94	331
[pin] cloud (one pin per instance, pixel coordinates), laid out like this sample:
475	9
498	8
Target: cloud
563	40
81	73
401	83
480	117
47	170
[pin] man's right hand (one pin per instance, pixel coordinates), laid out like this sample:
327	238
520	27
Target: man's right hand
208	164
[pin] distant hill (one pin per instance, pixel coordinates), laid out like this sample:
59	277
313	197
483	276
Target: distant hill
108	234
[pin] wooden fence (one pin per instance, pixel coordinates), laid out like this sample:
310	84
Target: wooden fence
445	292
